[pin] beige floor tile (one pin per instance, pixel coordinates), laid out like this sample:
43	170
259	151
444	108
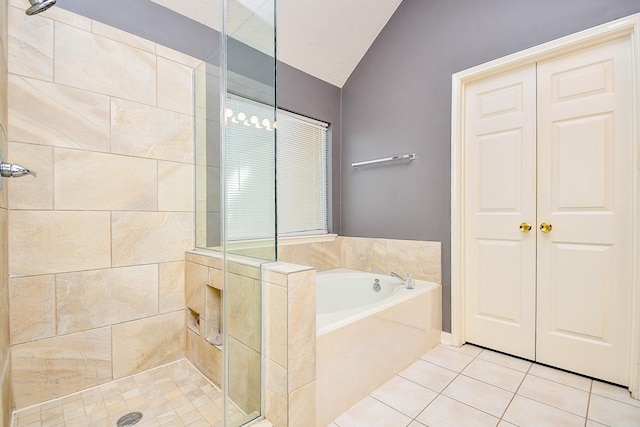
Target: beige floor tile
482	396
446	358
525	412
445	412
492	373
372	413
555	394
504	423
613	413
505	360
562	377
614	392
428	375
468	349
405	396
591	423
104	405
414	424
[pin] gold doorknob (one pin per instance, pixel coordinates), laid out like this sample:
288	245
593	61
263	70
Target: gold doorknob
525	226
545	227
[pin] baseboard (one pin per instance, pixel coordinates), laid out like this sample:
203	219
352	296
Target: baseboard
445	338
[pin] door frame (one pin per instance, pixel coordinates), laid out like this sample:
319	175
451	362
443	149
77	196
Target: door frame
628	27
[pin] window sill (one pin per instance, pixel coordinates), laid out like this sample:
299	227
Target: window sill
312	238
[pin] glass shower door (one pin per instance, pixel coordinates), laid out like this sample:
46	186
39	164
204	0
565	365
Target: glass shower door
249	211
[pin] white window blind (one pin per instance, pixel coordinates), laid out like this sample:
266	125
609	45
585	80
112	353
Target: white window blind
301	175
250	170
301	172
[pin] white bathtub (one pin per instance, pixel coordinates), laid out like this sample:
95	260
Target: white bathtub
364	337
344	296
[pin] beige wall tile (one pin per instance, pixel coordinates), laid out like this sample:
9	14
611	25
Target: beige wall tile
4	82
147	343
275	395
144	131
244	376
32	308
44	242
242	299
30	192
108	67
204	356
51	114
328	255
302	406
275	323
98	181
6	399
366	254
6	402
54	367
175	187
122	36
176	56
216	278
243	267
30	45
422	259
92	299
175	86
149	237
208	258
171	293
61	15
301	324
196	279
274	277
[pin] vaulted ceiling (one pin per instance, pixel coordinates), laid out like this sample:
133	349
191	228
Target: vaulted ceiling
324	38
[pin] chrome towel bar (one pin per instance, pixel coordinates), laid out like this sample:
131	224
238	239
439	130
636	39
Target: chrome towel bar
410	156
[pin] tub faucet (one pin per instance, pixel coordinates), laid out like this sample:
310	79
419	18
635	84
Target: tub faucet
407	281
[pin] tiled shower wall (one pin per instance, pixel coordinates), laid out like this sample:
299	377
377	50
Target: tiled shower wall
98	238
5	368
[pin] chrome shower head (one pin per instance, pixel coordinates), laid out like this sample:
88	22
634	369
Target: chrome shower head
38	6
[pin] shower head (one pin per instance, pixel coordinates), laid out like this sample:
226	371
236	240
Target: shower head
38	6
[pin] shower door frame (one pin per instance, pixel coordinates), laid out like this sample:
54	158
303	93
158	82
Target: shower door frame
625	27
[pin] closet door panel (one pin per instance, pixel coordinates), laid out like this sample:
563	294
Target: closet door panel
585	194
500	195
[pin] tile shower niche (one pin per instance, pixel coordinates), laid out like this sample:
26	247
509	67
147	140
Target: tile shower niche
203	286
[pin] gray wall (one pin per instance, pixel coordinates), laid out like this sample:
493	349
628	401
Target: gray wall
399	100
297	91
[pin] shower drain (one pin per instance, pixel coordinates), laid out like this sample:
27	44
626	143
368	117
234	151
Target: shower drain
129	419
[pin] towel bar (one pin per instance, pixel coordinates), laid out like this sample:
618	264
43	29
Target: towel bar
410	156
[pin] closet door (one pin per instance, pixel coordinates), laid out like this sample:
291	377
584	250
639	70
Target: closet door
585	186
500	187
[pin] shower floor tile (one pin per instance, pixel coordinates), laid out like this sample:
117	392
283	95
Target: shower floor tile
172	395
485	388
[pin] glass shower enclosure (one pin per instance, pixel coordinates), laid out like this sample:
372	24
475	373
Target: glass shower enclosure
235	93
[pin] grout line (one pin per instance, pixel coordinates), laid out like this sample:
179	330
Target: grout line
586	417
515	393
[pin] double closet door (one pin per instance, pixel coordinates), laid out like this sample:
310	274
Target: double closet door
548	211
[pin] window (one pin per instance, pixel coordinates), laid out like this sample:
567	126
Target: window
301	172
301	175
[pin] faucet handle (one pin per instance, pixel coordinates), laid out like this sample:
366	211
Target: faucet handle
410	283
12	170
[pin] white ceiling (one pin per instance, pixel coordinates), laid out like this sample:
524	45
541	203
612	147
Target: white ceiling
325	38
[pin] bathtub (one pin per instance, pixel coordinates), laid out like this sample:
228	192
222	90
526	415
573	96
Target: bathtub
365	337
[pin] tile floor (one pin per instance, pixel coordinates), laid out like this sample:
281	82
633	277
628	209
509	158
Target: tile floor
171	395
469	386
